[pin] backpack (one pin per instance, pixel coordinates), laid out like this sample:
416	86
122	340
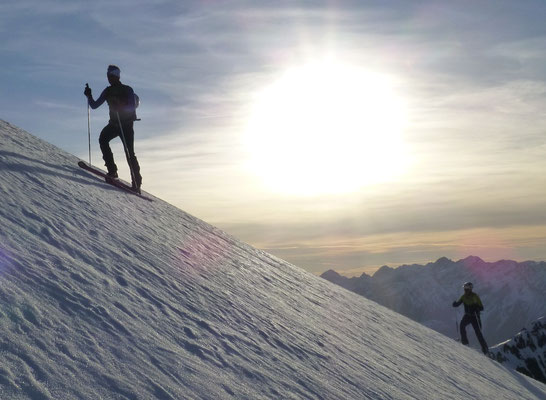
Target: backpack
137	103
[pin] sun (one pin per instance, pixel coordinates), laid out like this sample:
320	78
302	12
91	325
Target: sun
326	128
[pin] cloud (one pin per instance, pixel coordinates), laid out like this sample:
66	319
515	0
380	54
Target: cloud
473	76
355	255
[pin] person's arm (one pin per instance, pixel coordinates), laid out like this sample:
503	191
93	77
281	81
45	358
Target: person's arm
458	302
96	103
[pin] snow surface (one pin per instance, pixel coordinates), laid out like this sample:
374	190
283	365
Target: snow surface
107	296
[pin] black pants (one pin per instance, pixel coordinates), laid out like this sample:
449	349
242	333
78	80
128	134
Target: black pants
112	131
474	320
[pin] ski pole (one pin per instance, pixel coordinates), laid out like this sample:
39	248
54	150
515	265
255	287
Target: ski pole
479	321
88	125
126	149
457	325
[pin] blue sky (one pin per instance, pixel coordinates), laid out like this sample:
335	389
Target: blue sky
471	76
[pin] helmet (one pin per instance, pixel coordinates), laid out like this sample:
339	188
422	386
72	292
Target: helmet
113	70
468	285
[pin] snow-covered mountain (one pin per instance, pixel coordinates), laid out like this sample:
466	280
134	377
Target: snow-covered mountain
526	352
107	296
513	294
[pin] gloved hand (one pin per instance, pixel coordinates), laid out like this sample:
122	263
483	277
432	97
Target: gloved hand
454	304
87	91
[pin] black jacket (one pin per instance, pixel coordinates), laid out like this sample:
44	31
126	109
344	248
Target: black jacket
120	98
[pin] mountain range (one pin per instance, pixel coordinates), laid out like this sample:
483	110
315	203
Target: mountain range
513	293
107	296
525	352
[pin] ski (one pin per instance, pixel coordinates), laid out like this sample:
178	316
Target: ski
114	182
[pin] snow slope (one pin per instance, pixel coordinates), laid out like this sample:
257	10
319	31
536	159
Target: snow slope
513	294
526	352
106	296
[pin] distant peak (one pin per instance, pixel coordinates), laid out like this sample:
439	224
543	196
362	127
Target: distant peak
472	260
384	270
330	274
443	261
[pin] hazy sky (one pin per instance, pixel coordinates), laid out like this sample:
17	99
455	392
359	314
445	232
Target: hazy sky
334	134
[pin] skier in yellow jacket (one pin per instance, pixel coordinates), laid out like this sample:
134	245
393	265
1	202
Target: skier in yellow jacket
472	307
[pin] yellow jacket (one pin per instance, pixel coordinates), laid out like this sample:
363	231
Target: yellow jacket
472	303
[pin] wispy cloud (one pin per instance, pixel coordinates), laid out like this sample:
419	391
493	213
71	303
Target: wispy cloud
473	75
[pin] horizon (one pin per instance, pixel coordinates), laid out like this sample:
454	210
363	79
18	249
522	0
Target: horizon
372	270
252	118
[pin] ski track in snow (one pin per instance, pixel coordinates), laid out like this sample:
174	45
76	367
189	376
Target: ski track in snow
107	296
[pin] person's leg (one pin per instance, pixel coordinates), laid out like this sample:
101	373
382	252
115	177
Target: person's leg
464	322
129	134
479	335
108	133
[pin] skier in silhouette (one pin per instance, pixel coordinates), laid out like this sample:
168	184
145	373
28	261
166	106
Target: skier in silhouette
121	101
472	307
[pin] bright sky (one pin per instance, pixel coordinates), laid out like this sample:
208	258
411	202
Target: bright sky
343	135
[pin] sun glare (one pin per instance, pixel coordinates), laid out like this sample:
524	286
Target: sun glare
326	128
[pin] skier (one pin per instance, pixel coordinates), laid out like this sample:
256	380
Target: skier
472	307
121	102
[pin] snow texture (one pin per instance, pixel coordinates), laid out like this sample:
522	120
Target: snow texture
106	296
513	294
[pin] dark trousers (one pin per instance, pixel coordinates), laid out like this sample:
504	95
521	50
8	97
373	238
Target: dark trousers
112	131
476	323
